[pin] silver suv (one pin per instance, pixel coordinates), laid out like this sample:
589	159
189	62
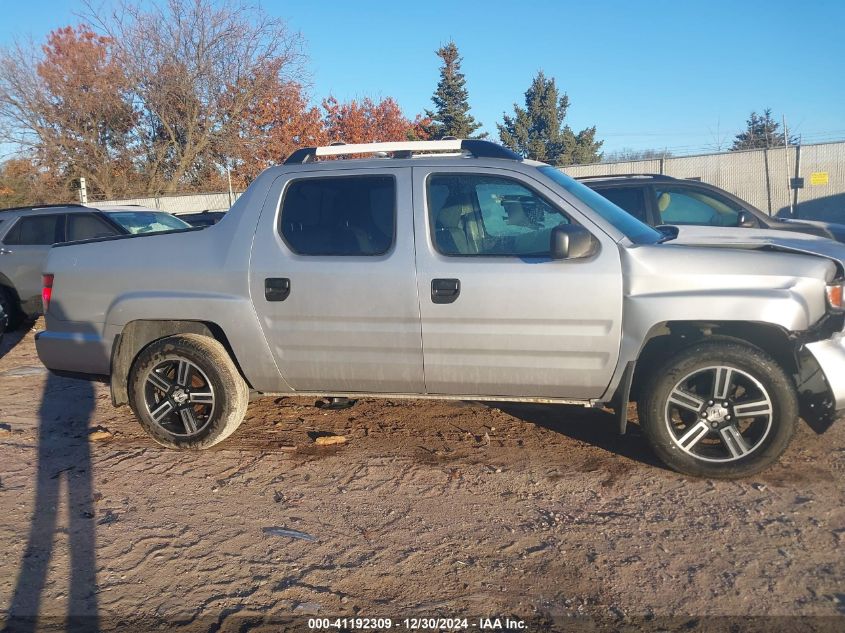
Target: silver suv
456	270
27	233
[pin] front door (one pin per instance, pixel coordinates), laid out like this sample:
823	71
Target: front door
333	281
499	316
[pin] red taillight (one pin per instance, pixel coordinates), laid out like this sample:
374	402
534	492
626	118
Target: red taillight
47	292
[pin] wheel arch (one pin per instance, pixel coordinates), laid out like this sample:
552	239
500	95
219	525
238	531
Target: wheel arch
7	285
138	335
667	338
670	337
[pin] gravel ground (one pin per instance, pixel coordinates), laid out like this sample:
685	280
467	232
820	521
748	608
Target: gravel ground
541	514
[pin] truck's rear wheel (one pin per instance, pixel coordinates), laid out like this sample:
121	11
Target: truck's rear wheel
719	409
186	392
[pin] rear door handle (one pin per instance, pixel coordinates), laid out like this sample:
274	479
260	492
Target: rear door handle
5	251
445	290
276	288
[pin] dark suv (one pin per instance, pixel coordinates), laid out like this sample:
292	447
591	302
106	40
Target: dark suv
657	199
27	233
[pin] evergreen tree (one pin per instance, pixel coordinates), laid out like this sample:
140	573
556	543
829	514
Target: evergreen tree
761	131
538	131
451	116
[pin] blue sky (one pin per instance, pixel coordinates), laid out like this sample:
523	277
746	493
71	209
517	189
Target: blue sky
649	74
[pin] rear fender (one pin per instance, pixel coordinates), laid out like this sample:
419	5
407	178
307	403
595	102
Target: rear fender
229	319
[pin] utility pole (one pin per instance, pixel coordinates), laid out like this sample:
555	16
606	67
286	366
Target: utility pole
797	175
231	193
788	177
83	191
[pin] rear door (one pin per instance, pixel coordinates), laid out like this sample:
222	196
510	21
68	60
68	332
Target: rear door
333	282
24	251
499	316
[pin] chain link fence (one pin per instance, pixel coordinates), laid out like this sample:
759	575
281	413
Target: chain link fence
182	203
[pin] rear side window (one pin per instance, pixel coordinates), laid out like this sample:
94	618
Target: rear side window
35	230
87	226
351	215
630	199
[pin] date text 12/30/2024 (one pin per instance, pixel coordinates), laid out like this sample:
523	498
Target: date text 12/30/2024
417	624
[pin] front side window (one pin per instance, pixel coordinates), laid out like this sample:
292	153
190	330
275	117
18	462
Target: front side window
35	230
346	215
475	214
682	205
86	226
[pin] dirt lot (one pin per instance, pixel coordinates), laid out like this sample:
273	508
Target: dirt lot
431	509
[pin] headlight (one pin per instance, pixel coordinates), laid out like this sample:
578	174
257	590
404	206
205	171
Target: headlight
834	294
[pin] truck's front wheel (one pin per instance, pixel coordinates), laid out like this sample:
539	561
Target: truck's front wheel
719	409
186	392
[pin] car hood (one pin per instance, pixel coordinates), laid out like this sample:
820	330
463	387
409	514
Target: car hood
827	228
762	239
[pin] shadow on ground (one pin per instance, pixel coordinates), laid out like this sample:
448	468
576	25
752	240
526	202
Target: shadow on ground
12	338
64	472
592	426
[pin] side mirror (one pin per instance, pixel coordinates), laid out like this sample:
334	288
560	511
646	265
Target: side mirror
668	231
746	221
569	241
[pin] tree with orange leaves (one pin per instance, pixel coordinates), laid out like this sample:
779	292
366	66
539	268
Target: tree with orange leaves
71	107
367	121
277	121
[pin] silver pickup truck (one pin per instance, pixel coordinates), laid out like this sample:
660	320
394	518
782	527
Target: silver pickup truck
454	269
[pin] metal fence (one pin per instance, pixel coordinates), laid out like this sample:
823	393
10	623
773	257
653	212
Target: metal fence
185	203
763	177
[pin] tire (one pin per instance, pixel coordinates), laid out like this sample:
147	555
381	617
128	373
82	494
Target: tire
690	428
11	307
186	392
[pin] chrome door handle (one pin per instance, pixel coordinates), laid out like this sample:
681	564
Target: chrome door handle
5	251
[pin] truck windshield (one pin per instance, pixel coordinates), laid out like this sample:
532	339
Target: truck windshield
628	225
147	221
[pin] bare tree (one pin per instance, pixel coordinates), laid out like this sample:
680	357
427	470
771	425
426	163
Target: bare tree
195	68
66	106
